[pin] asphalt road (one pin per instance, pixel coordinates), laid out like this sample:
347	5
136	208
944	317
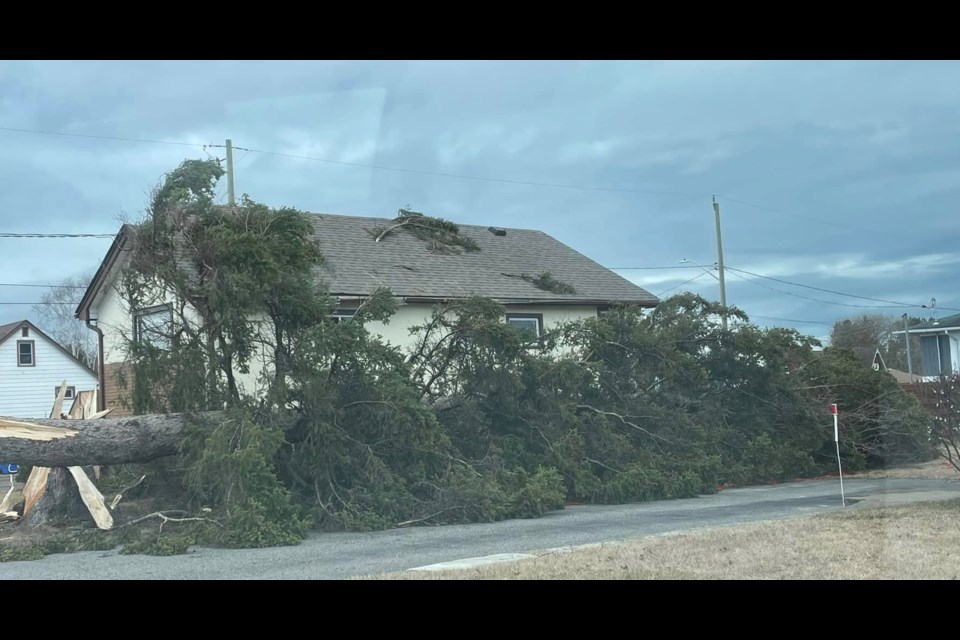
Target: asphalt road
342	555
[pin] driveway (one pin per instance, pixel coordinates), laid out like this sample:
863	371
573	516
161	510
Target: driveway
342	555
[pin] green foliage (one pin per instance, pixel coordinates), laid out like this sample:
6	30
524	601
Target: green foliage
547	282
22	552
231	466
157	544
536	494
880	424
441	236
479	420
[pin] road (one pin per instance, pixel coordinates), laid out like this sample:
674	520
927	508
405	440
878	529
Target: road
343	555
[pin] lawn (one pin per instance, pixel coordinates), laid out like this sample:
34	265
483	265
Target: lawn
915	541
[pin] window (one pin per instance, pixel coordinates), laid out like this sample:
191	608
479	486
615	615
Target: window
69	395
25	353
153	326
25	332
527	322
603	311
342	315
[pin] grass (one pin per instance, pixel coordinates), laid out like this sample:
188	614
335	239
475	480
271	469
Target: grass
938	469
914	541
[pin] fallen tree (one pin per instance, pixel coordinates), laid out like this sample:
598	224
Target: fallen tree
107	441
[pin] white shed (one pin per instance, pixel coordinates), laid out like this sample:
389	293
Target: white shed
32	368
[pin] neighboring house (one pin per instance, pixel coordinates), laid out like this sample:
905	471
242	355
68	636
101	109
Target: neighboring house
939	346
32	368
870	358
873	359
504	267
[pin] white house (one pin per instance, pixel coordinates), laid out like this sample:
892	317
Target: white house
506	266
32	368
939	346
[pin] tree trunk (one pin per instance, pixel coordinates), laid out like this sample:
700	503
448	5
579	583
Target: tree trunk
60	502
76	443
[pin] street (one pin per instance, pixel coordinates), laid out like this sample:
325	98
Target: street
344	555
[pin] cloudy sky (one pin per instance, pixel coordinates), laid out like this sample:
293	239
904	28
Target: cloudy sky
839	175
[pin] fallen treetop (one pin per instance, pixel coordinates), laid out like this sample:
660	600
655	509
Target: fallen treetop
70	443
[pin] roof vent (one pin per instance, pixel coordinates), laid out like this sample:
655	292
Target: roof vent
497	232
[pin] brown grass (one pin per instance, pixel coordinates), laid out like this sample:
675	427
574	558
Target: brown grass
905	542
938	469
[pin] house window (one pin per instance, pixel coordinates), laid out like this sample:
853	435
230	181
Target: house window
603	311
935	355
153	326
527	322
26	356
342	315
25	332
69	395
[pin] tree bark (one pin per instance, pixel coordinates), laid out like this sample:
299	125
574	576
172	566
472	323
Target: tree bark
76	443
60	502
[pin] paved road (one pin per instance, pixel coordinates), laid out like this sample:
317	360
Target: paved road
342	555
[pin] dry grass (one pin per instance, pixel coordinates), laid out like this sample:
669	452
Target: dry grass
938	469
914	541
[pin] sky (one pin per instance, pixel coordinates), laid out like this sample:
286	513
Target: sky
841	175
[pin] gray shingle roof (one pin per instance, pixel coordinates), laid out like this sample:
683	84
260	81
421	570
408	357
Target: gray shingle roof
357	265
941	323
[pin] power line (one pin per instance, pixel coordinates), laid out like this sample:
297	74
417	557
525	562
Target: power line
829	324
45	286
116	138
57	235
700	275
31	303
679	266
839	293
806	286
529	183
797	295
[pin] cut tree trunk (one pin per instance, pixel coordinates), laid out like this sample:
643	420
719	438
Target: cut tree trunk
61	502
75	443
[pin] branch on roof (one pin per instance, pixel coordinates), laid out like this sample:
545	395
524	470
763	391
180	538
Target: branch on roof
545	282
442	235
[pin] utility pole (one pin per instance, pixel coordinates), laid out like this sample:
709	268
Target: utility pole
906	338
230	198
723	285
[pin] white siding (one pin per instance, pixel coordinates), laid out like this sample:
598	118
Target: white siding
28	392
397	333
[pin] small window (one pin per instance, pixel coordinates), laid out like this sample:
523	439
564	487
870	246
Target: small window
154	327
25	353
603	311
532	322
69	395
25	332
342	315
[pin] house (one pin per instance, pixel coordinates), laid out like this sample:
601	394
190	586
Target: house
870	357
873	359
32	368
539	280
939	346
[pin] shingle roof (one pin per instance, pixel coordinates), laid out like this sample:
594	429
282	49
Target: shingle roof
357	265
941	323
7	329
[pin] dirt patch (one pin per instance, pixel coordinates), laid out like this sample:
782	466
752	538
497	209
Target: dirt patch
917	541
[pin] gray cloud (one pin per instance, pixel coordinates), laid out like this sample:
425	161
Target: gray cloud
835	174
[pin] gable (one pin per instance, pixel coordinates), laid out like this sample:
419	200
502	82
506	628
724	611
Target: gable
12	333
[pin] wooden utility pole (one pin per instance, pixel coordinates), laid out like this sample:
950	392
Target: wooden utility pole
723	286
230	197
